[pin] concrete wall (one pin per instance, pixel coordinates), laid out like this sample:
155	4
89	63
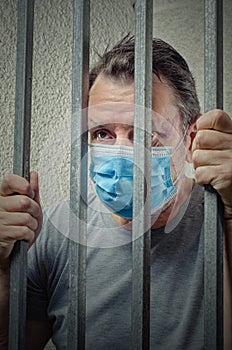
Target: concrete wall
180	22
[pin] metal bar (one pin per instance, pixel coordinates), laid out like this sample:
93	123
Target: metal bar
213	228
18	278
78	177
142	170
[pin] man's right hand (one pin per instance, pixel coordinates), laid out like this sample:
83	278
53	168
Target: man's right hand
20	213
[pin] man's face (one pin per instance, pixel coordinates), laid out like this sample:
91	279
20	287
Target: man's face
111	114
111	122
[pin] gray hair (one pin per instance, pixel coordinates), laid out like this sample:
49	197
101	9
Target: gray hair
118	64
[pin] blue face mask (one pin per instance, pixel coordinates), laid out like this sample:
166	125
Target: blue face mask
111	170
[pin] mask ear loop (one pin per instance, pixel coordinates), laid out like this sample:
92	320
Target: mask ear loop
174	151
189	172
180	141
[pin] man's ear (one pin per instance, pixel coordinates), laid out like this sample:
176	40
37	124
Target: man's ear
192	131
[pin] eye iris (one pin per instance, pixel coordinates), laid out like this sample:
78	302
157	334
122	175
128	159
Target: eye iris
102	134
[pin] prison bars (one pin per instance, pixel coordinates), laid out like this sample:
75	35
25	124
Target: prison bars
141	234
140	289
21	166
213	230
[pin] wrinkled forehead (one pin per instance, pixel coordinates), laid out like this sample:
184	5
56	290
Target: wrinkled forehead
123	114
113	102
111	113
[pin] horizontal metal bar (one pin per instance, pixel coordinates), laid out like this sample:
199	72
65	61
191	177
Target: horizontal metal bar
23	93
213	229
78	177
142	176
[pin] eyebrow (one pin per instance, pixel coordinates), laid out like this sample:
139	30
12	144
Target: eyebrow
95	126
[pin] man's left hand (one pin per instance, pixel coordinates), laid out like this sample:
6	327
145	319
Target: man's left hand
212	155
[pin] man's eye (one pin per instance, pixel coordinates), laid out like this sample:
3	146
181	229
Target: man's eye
157	138
101	135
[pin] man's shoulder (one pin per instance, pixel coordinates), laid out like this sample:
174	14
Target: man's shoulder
57	217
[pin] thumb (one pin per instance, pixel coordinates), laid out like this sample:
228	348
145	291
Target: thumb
34	182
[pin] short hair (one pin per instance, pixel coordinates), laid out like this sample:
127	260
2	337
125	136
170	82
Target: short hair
118	64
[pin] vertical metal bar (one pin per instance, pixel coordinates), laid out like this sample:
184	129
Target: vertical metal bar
142	183
18	278
213	229
78	177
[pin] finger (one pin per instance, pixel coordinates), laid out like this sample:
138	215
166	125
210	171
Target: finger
20	203
15	184
212	139
18	219
215	119
217	176
204	175
211	157
15	233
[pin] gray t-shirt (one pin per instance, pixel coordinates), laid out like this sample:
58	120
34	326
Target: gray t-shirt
176	279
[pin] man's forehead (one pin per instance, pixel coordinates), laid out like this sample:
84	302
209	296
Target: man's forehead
113	102
105	90
123	114
111	107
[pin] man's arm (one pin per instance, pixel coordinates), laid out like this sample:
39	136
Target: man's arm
38	332
4	304
212	159
228	286
20	219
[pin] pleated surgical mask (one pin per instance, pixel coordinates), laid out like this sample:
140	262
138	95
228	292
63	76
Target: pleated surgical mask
111	171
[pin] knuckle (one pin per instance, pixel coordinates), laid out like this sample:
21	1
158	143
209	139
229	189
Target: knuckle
200	137
24	203
35	225
5	183
202	176
218	111
8	178
27	187
25	232
195	156
37	210
219	114
26	219
198	174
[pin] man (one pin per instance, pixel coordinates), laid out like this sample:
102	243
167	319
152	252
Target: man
180	136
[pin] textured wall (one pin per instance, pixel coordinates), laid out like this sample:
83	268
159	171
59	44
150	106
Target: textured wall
51	79
180	22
